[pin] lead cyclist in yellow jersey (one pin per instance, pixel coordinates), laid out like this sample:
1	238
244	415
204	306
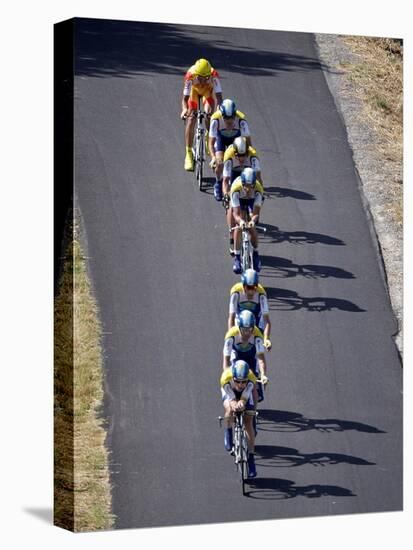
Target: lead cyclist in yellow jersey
201	81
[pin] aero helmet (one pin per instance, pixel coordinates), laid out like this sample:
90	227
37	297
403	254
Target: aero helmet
246	319
240	370
202	67
248	176
240	145
228	108
249	277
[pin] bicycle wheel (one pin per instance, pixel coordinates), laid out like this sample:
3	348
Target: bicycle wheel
244	459
199	159
246	252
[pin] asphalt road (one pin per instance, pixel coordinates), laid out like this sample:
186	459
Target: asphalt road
330	439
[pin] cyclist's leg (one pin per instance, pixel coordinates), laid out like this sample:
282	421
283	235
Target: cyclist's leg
230	215
249	428
237	243
254	242
219	157
209	107
190	129
228	422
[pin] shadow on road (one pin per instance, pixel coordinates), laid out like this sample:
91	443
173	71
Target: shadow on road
273	456
127	48
288	300
287	421
278	489
283	192
275	235
282	268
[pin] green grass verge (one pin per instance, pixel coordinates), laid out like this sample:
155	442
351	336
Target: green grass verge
82	489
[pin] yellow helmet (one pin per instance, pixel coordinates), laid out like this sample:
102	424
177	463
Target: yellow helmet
202	67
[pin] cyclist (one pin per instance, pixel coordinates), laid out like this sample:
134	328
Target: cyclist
226	124
246	201
249	295
201	80
237	385
238	156
245	341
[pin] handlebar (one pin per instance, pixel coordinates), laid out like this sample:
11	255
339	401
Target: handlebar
246	228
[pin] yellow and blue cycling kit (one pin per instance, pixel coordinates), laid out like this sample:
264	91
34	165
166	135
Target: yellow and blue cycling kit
258	304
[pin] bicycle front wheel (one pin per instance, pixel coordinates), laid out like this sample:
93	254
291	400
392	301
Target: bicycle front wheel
246	253
199	161
244	459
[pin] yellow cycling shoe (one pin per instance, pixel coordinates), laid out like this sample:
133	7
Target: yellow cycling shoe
189	161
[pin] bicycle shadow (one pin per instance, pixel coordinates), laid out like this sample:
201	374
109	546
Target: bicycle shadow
274	234
263	488
288	300
282	268
270	456
285	192
271	420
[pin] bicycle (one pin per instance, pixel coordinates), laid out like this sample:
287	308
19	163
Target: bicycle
240	446
246	245
198	148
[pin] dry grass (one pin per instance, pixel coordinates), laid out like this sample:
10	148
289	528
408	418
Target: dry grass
82	485
378	79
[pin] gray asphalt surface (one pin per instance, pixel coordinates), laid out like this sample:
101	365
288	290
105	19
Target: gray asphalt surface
330	439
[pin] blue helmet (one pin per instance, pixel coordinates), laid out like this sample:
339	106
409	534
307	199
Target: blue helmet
246	319
240	370
228	108
249	277
248	176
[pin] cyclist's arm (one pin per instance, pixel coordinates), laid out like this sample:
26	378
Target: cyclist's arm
262	365
233	306
217	89
229	391
212	136
255	165
245	131
185	99
237	214
226	180
246	394
256	214
226	355
267	328
266	316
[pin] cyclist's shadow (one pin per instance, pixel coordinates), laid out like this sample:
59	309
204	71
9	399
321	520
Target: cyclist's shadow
208	185
263	488
274	234
270	456
288	300
270	420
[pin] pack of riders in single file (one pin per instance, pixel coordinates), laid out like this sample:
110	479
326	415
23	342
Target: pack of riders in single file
238	181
